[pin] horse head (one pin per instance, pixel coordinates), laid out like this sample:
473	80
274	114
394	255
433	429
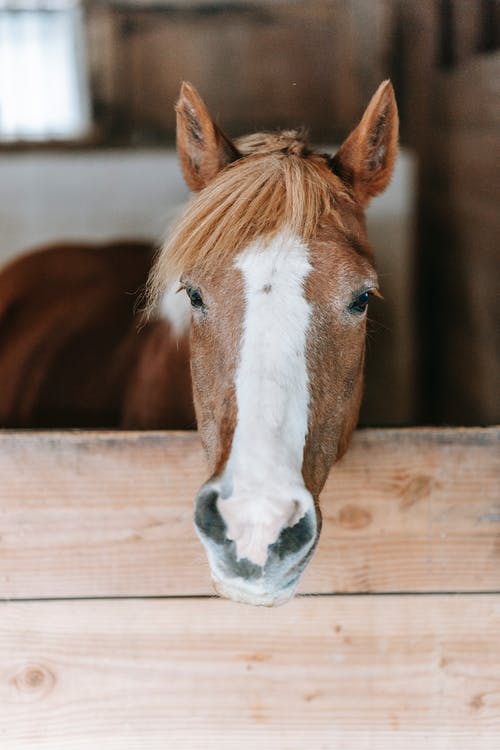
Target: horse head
273	257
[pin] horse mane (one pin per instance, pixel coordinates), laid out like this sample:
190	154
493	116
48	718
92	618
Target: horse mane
279	182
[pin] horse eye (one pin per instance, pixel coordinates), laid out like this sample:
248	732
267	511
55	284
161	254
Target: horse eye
194	297
360	303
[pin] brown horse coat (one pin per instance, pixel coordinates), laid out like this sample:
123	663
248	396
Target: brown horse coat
72	350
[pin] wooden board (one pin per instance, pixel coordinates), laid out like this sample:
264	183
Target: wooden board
357	673
89	514
279	63
473	81
460	244
471	338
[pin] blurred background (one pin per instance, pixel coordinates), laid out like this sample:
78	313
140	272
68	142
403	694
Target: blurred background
87	132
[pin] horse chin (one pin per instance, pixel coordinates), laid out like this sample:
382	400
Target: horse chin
245	594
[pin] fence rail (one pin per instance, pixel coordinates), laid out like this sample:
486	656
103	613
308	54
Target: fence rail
107	515
360	673
102	514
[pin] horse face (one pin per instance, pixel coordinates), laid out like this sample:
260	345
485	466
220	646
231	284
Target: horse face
277	349
277	346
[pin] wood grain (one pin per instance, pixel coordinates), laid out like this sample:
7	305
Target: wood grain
90	514
363	673
460	247
284	58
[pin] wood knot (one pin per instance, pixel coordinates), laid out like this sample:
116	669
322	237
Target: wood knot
256	657
477	702
354	517
417	488
34	681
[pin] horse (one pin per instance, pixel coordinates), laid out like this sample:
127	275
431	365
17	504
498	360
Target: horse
73	352
273	258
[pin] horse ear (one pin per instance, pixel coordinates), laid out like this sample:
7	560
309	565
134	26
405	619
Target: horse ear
366	158
202	148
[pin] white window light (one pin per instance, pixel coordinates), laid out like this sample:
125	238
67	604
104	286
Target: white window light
44	92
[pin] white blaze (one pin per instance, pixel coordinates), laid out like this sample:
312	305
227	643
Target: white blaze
262	488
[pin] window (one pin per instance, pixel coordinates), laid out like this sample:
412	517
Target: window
44	92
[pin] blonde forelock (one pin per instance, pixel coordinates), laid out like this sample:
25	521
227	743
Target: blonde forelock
255	196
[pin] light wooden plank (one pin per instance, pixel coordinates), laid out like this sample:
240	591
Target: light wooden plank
110	514
374	673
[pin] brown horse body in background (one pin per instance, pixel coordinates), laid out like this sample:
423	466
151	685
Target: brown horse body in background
73	352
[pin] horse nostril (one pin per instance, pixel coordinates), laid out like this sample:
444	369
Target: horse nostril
294	538
207	517
246	568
